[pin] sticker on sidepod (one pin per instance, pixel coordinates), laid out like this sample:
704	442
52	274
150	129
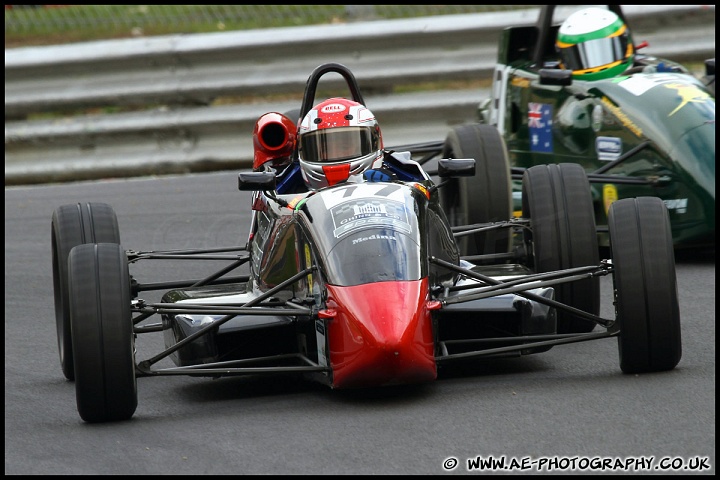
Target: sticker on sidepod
689	94
624	119
540	125
608	148
639	84
609	196
677	205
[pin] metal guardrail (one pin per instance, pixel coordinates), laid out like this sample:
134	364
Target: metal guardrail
175	79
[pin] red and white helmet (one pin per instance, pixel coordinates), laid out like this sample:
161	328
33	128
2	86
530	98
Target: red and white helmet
337	138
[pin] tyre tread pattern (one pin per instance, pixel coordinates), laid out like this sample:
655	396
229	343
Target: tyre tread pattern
648	312
102	333
72	225
485	197
556	197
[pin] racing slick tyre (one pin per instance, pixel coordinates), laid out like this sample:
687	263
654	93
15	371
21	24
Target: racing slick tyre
646	304
74	225
485	197
294	115
102	332
709	78
557	200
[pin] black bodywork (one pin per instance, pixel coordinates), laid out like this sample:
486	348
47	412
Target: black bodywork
364	284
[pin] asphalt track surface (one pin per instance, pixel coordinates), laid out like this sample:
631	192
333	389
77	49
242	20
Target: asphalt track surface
568	406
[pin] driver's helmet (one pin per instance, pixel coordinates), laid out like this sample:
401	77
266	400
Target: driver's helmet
337	139
595	44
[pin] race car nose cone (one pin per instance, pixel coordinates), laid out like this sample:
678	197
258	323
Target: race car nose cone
381	335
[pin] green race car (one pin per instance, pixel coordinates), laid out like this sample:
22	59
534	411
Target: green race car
580	92
645	121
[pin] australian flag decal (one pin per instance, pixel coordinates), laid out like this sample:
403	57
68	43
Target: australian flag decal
540	125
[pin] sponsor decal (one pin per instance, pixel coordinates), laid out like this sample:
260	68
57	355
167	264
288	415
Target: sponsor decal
333	108
639	84
540	125
622	117
688	94
340	194
608	148
374	237
320	337
609	196
363	205
677	205
364	213
520	82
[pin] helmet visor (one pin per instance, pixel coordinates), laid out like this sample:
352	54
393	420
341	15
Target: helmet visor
592	54
337	144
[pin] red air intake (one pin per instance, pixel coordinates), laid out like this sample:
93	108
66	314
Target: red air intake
274	138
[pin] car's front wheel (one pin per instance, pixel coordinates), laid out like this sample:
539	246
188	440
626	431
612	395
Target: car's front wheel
646	303
102	332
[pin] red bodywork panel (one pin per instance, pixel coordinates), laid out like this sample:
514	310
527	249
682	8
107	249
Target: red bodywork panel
381	334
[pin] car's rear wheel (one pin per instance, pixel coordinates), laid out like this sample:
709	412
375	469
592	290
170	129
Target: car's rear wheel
709	78
102	332
294	115
646	304
557	200
74	225
483	198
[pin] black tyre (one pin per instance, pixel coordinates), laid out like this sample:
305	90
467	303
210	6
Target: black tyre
102	332
294	115
709	78
557	200
74	225
646	304
486	197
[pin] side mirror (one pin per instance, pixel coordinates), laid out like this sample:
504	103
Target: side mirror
256	181
456	167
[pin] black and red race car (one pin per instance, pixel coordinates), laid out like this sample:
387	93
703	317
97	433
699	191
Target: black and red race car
365	284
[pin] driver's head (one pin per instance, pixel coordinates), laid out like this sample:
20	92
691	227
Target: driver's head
595	44
337	138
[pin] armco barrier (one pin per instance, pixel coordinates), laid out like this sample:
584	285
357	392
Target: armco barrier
174	80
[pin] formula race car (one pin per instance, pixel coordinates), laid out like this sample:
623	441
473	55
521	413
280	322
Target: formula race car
639	126
364	283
